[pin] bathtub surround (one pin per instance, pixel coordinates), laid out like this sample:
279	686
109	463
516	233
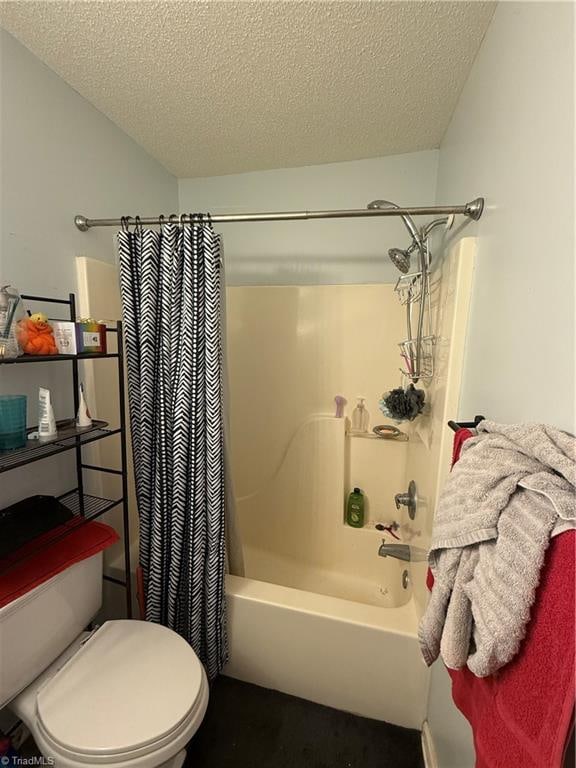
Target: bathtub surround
171	290
290	349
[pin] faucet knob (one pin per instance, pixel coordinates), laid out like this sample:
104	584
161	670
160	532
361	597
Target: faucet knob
408	500
401	499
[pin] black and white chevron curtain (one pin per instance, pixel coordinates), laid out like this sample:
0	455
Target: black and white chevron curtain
171	294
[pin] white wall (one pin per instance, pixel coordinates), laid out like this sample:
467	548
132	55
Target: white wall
59	157
511	140
309	252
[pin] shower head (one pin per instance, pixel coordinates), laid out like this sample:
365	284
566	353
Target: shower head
400	259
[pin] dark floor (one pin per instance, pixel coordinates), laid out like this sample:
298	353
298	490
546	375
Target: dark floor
251	727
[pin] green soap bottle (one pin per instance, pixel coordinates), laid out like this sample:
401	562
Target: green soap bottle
355	509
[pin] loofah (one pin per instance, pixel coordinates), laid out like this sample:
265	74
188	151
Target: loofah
403	404
35	335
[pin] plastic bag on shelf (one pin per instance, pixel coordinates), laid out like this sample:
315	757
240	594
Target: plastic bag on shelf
11	312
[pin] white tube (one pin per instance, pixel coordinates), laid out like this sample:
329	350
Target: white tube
46	421
83	418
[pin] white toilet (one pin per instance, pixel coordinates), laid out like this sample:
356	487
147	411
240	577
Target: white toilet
131	694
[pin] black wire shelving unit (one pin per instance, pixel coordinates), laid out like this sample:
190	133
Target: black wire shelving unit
85	507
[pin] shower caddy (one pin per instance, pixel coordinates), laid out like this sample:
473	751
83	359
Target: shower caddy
85	506
413	290
417	351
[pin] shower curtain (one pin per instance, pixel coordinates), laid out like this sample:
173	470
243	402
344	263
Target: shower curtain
171	294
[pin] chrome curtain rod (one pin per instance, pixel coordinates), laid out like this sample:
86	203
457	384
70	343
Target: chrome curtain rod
473	210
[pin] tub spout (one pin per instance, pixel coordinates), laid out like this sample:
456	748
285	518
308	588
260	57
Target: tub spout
402	552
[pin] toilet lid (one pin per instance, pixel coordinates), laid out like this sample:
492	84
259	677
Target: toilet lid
128	686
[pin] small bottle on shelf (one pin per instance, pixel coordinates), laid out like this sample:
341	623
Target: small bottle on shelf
360	417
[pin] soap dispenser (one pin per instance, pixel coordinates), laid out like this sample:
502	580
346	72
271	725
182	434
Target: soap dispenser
360	417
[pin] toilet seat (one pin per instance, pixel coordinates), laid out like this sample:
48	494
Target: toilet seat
151	755
132	695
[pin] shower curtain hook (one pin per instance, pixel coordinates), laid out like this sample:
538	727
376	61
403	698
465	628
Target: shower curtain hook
172	218
125	220
161	222
138	225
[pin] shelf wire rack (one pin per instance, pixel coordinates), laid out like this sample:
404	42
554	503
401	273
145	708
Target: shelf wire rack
94	507
85	507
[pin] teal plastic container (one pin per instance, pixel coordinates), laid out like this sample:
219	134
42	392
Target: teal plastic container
355	509
12	422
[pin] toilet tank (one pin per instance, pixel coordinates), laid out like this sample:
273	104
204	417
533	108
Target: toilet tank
36	627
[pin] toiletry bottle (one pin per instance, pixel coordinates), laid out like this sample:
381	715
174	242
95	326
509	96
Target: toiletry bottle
360	417
83	418
46	421
355	509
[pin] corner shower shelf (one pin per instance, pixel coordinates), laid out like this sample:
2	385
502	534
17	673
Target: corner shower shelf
68	437
84	506
370	436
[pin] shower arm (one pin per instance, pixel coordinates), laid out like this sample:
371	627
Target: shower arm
408	221
436	223
473	210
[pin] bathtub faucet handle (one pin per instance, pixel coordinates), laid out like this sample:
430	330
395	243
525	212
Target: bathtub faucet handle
401	499
408	500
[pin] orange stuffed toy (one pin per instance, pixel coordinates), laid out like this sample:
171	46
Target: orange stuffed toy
35	335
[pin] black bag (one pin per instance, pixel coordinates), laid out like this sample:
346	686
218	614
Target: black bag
29	518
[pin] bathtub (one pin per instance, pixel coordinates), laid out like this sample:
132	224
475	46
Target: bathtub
320	615
355	657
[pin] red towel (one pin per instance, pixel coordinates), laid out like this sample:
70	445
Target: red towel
522	716
459	439
45	560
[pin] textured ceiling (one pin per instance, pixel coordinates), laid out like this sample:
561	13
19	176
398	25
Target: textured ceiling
219	87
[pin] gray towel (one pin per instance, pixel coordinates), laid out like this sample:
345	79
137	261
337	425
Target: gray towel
511	487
